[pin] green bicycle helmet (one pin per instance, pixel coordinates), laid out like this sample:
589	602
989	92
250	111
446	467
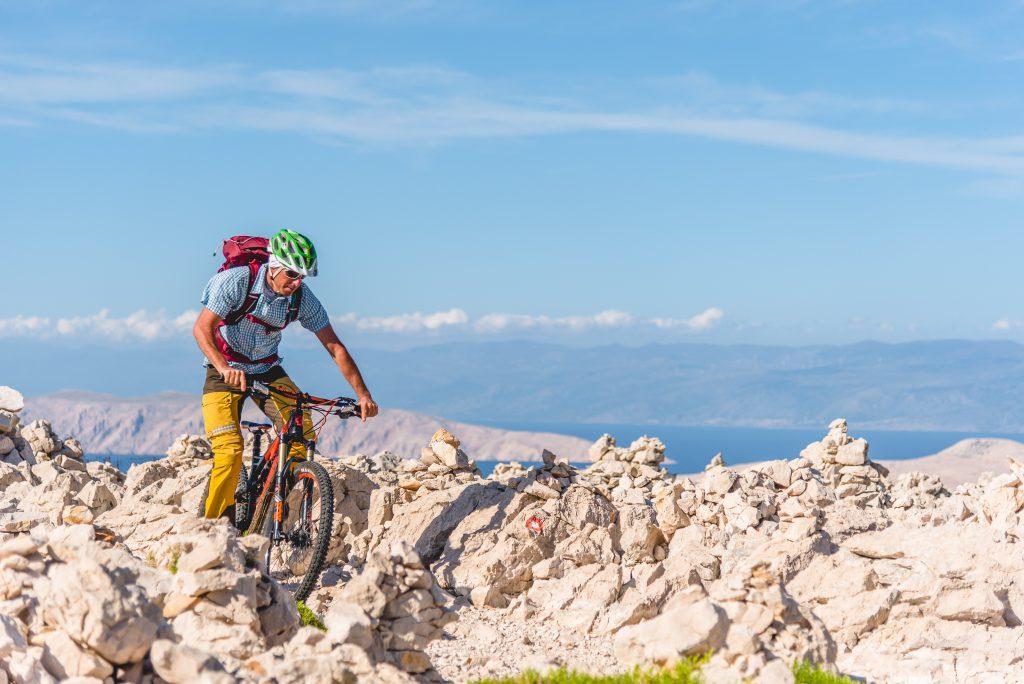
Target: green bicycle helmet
295	251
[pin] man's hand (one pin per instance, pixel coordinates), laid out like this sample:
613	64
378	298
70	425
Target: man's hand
233	377
367	407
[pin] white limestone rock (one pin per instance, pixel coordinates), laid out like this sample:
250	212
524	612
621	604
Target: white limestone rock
690	624
11	399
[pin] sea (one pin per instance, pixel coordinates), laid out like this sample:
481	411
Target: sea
690	448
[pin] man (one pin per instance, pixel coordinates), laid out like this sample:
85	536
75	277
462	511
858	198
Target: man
245	351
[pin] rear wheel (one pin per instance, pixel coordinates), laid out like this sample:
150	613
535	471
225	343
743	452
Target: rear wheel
259	509
305	527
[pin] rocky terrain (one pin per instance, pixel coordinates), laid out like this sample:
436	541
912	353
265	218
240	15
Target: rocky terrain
436	573
107	424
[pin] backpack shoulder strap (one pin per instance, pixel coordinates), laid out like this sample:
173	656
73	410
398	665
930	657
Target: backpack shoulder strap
293	306
250	298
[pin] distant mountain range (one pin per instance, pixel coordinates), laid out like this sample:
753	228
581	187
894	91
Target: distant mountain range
148	425
944	385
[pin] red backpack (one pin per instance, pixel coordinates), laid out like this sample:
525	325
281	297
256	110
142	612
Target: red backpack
251	252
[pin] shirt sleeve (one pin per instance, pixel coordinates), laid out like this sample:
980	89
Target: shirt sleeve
226	291
312	314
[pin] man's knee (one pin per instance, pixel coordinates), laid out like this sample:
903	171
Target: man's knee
227	460
227	443
220	417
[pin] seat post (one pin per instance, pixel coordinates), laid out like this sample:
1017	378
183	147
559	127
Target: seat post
257	430
257	447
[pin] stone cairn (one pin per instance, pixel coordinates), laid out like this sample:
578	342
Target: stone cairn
190	447
442	464
698	518
44	478
549	481
33	442
628	474
392	609
844	465
509	473
917	490
996	501
204	564
766	625
747	621
381	466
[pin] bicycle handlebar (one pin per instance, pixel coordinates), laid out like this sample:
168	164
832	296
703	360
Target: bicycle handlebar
352	411
263	391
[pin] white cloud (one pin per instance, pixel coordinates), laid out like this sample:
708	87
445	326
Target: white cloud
147	326
38	81
426	104
498	322
413	322
613	319
467	119
141	325
1002	324
23	325
705	320
753	99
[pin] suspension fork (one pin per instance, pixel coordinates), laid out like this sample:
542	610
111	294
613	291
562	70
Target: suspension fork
292	435
307	494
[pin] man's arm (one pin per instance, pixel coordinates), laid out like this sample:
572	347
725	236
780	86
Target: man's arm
347	365
203	331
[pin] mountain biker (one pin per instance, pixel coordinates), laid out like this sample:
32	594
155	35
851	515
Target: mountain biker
246	352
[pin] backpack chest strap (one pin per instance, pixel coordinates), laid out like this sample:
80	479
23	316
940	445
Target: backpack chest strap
294	303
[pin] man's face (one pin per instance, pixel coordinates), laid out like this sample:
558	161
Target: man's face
285	281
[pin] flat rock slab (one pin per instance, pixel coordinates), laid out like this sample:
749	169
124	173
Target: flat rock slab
11	399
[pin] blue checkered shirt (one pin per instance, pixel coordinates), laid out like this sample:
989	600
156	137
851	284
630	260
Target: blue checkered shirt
226	293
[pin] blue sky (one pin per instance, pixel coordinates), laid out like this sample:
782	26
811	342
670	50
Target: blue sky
785	172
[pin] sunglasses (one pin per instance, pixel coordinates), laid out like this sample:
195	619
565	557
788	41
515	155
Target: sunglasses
292	275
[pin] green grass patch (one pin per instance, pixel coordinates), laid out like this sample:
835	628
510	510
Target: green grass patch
684	672
173	565
309	618
807	673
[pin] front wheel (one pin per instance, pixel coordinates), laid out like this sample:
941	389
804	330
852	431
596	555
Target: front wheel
306	519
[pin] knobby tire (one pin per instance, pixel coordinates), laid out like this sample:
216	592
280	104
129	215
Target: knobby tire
263	501
322	541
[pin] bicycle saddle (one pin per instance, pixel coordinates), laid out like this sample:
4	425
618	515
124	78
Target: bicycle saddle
256	427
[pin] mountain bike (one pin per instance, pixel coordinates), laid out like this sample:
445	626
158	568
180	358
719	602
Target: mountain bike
293	505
